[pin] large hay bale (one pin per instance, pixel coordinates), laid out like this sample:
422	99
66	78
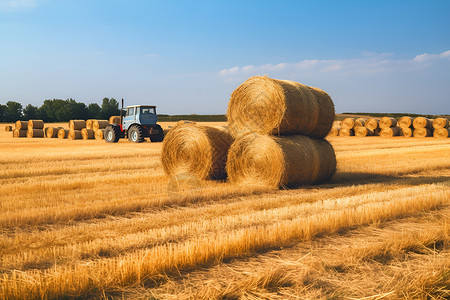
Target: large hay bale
406	131
405	122
99	134
114	120
271	106
21	125
287	161
372	124
77	124
100	124
63	133
35	124
390	132
421	122
362	131
35	133
359	122
440	123
334	131
348	123
52	132
199	151
441	132
74	135
346	132
87	134
19	133
90	123
8	128
387	122
422	132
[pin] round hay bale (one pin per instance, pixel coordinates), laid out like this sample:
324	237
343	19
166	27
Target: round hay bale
63	133
21	125
405	122
90	123
200	151
346	132
363	131
441	132
421	122
35	124
334	131
286	161
359	122
19	133
114	120
440	123
35	133
387	122
51	132
271	106
100	124
99	134
390	132
74	135
87	134
77	124
372	124
348	123
8	128
422	132
406	131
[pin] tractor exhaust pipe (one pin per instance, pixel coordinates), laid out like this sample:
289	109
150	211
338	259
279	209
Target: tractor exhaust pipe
121	112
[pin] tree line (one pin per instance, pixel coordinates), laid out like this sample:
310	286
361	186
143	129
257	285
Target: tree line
58	110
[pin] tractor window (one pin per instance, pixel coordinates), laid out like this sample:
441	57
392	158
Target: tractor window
148	110
130	111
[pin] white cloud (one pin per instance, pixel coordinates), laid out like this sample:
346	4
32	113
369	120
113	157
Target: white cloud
13	5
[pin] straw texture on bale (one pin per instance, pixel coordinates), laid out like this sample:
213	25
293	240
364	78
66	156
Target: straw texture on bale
114	120
87	134
199	151
35	124
22	125
35	133
441	132
359	122
334	131
90	123
74	135
51	132
8	128
390	132
286	161
348	123
372	124
422	132
363	131
271	106
405	122
421	122
63	133
77	124
406	131
19	133
440	123
346	132
100	124
99	134
387	122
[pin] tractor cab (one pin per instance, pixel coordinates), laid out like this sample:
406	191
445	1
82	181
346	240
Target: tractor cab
140	114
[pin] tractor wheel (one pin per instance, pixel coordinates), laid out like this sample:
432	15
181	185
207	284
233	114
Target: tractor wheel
136	134
112	134
157	137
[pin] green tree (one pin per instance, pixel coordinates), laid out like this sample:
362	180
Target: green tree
3	109
31	112
94	111
49	110
13	111
110	107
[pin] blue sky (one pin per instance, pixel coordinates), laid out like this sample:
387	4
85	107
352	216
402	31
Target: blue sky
188	56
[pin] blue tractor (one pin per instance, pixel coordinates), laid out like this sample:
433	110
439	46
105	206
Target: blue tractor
139	122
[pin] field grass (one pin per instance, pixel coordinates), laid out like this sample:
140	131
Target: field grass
90	219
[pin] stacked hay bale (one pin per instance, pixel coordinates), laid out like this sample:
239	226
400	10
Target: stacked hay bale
347	127
99	128
21	128
8	128
35	129
441	128
75	127
114	120
423	127
372	125
63	133
279	127
356	127
406	126
388	127
51	132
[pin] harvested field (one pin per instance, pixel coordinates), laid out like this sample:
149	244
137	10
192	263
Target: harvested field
103	221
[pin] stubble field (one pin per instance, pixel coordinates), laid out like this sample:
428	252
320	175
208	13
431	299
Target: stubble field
90	219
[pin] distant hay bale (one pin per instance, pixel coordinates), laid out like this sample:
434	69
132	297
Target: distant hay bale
99	134
74	135
421	122
8	128
77	124
63	133
348	123
35	133
372	124
440	123
363	131
100	124
422	132
387	122
19	133
51	132
21	125
114	120
390	132
35	124
406	131
346	132
87	134
405	122
334	131
287	161
359	122
441	132
89	123
200	151
271	106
